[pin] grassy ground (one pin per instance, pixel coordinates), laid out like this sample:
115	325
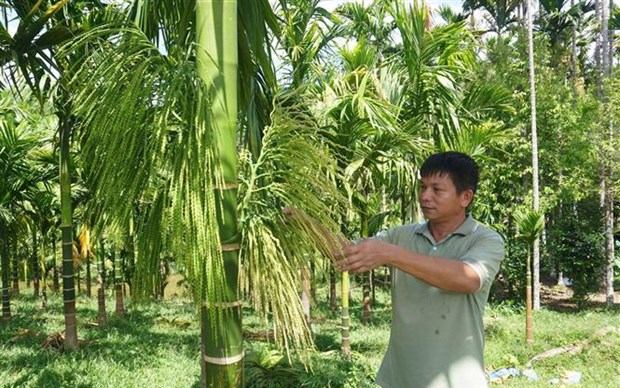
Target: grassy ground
157	346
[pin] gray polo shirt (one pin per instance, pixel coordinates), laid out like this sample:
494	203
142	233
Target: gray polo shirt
437	337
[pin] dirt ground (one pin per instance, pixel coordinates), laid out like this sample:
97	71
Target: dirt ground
559	297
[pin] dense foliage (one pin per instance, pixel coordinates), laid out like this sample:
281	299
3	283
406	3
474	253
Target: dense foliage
336	109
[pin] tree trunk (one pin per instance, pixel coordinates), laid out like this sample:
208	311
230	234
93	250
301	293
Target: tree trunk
333	301
78	280
15	269
598	71
130	256
366	307
66	226
35	263
217	61
305	296
89	284
312	282
373	293
102	317
609	246
43	275
534	133
55	279
573	57
118	283
609	199
529	335
6	296
344	315
611	42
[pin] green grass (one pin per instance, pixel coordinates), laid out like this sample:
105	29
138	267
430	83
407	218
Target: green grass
158	346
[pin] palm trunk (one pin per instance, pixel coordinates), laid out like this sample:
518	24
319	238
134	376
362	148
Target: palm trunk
43	275
102	317
6	296
312	282
529	336
222	340
366	308
611	43
344	316
609	246
305	295
35	264
536	191
373	295
55	280
15	269
333	302
573	57
78	280
89	285
118	284
609	200
130	256
66	226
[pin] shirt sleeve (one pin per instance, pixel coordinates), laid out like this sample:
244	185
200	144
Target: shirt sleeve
485	257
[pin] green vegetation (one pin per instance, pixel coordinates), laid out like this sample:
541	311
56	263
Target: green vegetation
130	151
157	345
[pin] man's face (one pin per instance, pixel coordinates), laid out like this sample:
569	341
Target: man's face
440	201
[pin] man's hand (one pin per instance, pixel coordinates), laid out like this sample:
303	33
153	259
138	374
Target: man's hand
362	257
328	243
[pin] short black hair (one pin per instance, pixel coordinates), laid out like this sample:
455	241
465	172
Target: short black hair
461	168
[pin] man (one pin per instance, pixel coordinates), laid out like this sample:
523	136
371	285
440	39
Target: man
442	273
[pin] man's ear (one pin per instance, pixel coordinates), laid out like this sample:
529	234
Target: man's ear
467	197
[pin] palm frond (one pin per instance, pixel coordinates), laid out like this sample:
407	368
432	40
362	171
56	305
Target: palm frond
157	120
530	224
293	169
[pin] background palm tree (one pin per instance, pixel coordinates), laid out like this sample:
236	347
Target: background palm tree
22	134
530	225
534	139
31	51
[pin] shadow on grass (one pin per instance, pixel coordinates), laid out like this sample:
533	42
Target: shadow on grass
571	306
131	340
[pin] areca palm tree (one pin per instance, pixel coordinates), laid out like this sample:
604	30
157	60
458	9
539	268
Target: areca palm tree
435	65
557	20
500	13
362	127
534	140
307	31
171	145
31	51
20	140
530	225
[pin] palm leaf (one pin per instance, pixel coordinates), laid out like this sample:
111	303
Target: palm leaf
293	169
153	122
530	224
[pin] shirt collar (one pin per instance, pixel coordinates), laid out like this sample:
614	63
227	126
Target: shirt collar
468	226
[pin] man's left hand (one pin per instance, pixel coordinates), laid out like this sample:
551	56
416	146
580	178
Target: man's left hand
364	256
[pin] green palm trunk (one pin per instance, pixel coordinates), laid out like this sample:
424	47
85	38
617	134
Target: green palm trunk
222	341
102	317
6	298
35	263
66	227
118	283
15	270
366	276
344	316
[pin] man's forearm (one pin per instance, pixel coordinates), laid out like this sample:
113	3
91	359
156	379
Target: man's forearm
447	274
